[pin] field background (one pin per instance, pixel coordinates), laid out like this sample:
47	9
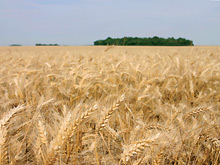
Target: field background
110	105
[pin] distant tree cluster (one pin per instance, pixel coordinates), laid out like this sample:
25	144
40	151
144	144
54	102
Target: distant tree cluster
46	44
154	41
15	45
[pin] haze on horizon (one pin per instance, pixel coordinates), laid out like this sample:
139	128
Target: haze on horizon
81	22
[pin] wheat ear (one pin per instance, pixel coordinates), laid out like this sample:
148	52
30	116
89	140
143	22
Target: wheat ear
66	131
42	132
3	132
42	141
134	149
197	110
108	114
215	141
158	127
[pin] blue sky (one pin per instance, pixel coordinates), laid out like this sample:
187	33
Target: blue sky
81	22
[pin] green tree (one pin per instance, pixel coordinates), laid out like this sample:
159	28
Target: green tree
154	41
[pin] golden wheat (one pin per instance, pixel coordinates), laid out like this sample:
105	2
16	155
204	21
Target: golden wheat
110	105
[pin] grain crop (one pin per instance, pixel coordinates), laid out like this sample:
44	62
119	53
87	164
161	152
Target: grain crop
110	105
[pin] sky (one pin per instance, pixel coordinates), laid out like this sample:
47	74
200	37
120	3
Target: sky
81	22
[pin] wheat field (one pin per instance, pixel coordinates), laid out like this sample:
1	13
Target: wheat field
110	105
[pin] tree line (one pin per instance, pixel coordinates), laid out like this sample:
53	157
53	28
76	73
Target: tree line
38	44
15	45
154	41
